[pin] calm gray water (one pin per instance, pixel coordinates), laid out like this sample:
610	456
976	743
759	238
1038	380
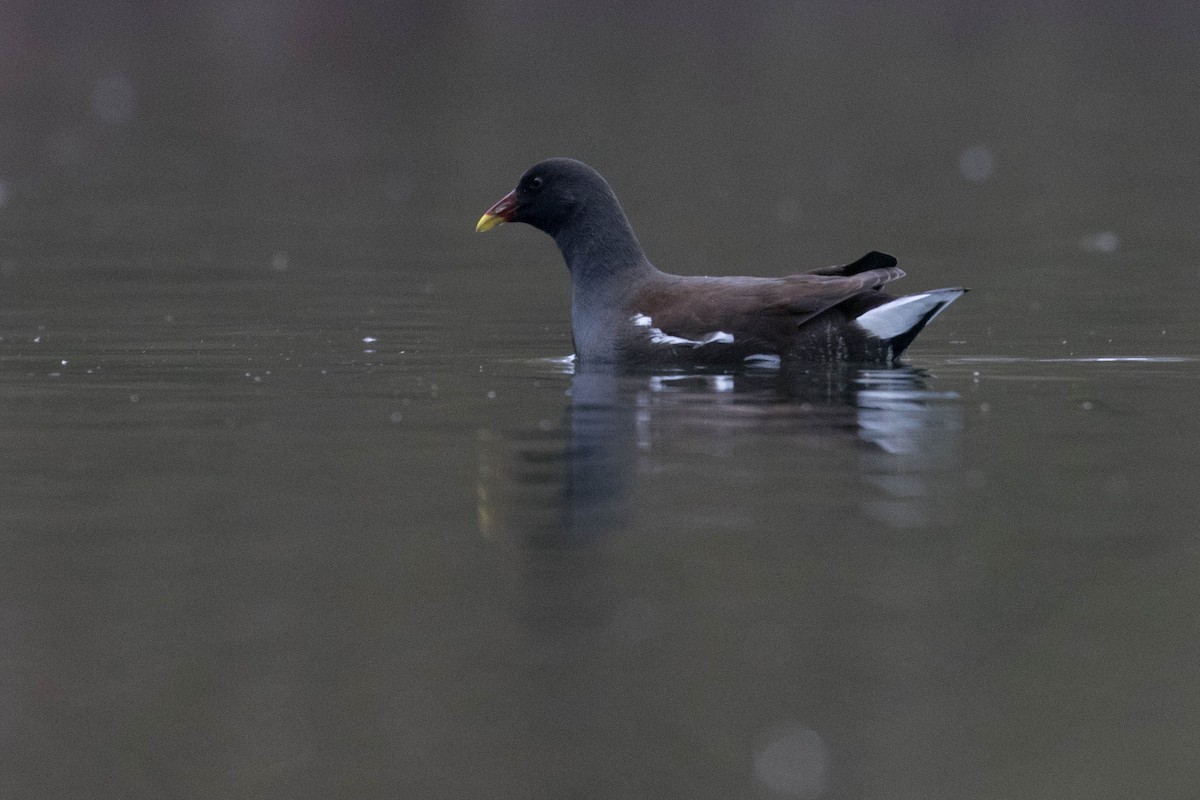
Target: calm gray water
299	499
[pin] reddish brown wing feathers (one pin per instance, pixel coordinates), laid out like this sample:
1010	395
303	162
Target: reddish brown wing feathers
764	308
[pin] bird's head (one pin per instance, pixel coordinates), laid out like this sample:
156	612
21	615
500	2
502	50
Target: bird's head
548	195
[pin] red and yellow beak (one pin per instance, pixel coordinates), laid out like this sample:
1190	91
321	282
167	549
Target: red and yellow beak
498	214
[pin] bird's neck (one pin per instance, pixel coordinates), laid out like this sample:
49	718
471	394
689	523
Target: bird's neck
607	266
601	249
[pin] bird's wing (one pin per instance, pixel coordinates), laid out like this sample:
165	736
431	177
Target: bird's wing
762	309
872	260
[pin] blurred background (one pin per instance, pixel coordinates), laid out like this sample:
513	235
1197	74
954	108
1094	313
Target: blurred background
298	500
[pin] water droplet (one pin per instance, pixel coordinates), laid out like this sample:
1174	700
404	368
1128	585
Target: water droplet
787	210
1116	485
1102	242
66	148
114	99
976	164
398	187
793	762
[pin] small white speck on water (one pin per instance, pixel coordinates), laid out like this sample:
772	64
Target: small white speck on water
55	374
1102	242
258	378
63	362
369	340
1086	405
491	395
38	339
395	416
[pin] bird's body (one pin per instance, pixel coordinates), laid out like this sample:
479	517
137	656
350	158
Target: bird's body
626	311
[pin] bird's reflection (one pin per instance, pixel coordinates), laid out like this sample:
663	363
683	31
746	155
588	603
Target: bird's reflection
576	481
601	459
609	598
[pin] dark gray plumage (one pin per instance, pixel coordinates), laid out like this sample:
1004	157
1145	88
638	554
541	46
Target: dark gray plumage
625	310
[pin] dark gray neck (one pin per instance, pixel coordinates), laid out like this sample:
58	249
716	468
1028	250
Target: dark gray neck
600	248
607	266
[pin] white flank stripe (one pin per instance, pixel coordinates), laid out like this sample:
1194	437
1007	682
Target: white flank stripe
720	337
658	337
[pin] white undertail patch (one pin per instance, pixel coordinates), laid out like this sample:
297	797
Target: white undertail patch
900	316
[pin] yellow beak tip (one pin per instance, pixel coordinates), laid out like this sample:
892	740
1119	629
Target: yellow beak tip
487	222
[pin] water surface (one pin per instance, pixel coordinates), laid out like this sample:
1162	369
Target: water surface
298	497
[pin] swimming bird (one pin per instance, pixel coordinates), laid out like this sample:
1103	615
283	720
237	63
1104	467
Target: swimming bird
626	311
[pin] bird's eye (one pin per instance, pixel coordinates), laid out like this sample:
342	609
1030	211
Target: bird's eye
535	183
